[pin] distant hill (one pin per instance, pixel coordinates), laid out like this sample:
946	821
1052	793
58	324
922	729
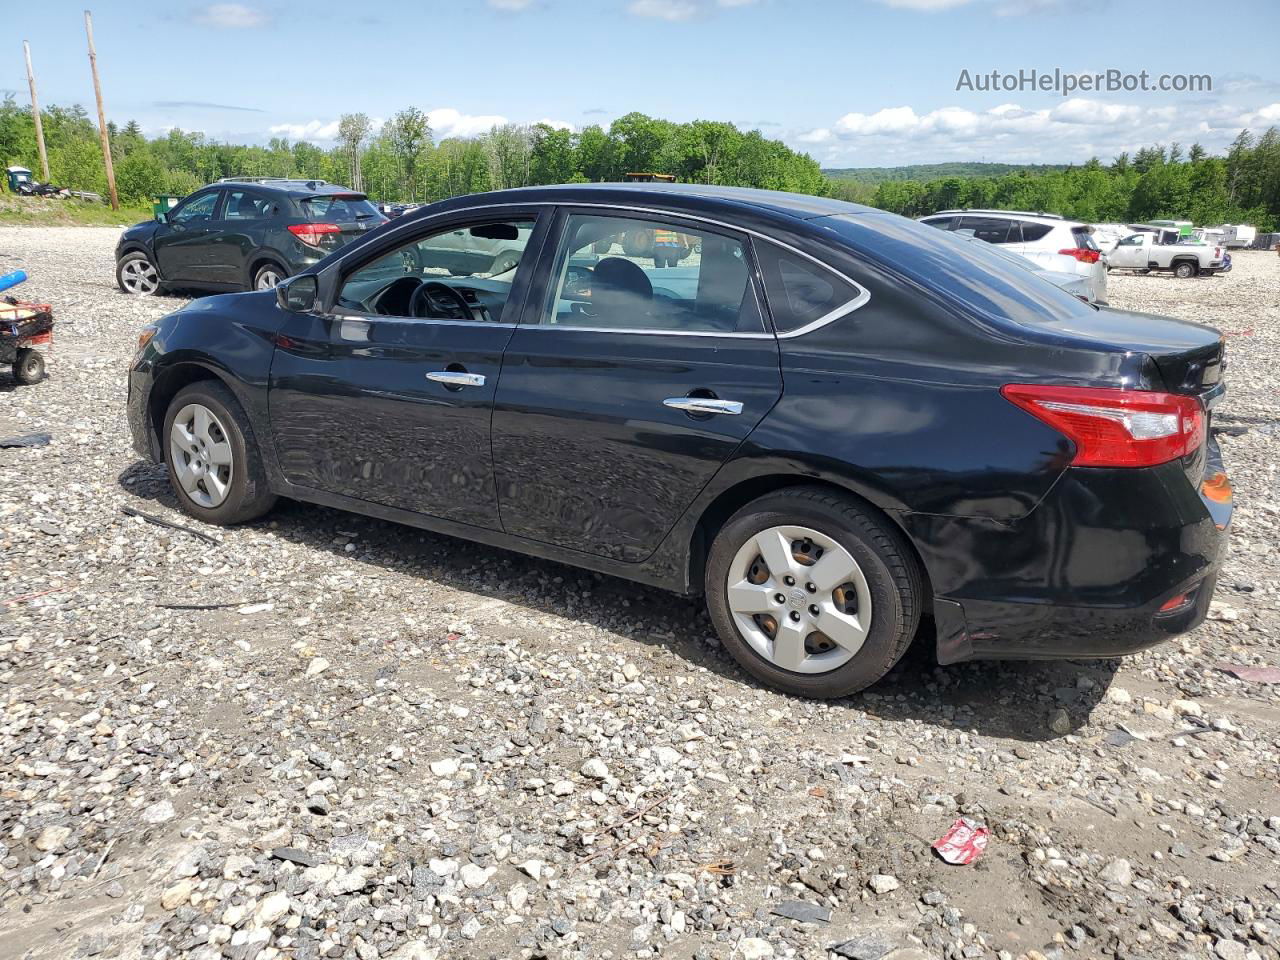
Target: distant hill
937	171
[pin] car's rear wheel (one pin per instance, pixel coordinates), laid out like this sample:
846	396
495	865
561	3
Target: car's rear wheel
268	275
1184	270
812	592
214	464
137	275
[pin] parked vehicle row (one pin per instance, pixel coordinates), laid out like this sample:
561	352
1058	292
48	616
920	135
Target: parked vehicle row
835	424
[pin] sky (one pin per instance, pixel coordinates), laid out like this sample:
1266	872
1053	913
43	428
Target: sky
851	82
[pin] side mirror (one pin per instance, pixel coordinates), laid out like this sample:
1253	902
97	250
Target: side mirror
297	294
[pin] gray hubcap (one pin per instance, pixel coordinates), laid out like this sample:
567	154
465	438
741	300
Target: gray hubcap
268	278
200	451
799	599
140	277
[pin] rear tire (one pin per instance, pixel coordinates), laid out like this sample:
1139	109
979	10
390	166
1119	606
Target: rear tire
882	592
1184	270
28	367
268	275
222	493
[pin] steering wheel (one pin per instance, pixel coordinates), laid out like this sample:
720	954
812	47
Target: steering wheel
428	296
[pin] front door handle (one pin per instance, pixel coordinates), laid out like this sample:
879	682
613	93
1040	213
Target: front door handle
703	405
454	378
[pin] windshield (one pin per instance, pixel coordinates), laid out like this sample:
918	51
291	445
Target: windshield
339	208
962	271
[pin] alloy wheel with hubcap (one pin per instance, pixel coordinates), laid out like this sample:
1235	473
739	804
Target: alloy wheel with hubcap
267	278
799	599
139	277
201	454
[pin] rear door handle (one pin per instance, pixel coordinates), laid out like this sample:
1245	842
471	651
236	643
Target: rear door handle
453	378
703	405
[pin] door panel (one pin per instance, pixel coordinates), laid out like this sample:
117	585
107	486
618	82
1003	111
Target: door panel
388	398
587	454
182	245
354	412
237	234
634	313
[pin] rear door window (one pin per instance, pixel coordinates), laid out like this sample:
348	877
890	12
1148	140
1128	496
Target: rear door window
990	229
801	292
242	205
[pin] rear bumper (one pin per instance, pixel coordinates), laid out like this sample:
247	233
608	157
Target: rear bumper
1085	574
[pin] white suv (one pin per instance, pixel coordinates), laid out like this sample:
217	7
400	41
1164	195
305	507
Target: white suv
1050	241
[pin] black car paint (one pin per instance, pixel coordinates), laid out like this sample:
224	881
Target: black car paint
898	402
219	254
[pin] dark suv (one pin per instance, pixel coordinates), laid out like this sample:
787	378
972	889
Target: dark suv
241	233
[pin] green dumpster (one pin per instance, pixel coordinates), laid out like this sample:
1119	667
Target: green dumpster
164	203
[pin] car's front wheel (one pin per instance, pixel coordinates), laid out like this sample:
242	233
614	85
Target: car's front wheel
215	468
137	275
812	592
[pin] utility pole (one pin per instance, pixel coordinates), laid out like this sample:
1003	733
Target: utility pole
35	113
102	116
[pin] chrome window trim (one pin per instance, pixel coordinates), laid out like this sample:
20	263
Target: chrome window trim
862	297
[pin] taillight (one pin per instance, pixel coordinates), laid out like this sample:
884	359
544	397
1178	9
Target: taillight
1112	427
1083	254
310	233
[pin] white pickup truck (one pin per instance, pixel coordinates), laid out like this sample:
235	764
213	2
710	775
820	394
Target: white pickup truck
1140	251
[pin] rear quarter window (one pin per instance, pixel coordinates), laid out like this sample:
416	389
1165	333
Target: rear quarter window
800	291
1034	231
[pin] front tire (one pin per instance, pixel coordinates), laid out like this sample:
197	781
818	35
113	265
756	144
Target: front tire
212	456
137	275
28	367
812	592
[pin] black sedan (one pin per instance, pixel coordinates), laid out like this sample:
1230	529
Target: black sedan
844	428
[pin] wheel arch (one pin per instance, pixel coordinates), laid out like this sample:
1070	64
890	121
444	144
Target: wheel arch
734	498
260	259
166	386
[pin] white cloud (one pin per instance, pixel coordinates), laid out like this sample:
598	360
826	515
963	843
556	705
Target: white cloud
1071	130
663	9
511	6
926	5
311	130
447	122
231	16
556	124
676	10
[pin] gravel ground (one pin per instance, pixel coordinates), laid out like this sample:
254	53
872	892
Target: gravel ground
384	743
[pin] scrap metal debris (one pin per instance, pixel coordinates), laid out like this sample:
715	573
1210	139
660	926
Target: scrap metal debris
26	440
802	911
1252	674
162	522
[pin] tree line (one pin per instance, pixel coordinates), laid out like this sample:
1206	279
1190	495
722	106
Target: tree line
402	161
1156	182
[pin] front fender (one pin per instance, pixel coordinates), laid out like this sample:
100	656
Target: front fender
230	337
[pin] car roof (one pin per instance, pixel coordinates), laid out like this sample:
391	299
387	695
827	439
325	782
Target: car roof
288	186
1050	218
694	197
